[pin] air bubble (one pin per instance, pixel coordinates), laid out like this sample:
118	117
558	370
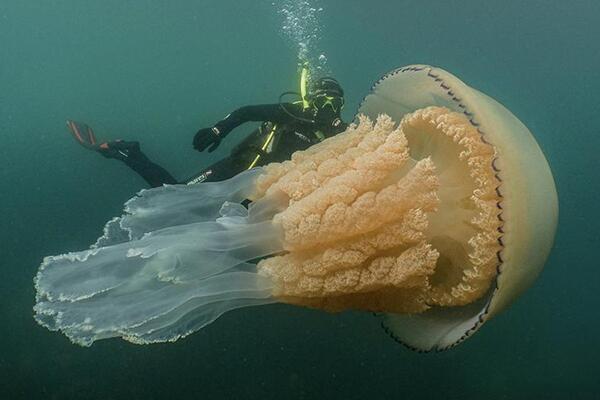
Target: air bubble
301	27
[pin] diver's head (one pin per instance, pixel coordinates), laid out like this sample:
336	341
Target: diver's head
326	98
326	86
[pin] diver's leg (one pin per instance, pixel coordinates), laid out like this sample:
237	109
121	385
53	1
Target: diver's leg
132	156
219	171
128	152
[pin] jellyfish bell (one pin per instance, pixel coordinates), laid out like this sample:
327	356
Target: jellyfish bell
526	194
435	208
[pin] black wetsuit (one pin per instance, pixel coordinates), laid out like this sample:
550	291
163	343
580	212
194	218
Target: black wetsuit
279	136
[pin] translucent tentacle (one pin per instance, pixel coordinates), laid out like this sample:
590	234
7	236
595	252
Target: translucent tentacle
165	280
172	205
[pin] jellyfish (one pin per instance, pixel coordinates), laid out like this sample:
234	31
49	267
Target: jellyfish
434	210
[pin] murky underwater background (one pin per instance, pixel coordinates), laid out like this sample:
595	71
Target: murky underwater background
157	71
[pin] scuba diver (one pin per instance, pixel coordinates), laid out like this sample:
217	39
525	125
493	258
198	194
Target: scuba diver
285	129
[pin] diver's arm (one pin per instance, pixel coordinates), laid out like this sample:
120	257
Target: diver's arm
210	138
265	112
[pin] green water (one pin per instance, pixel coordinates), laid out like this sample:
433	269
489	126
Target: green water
157	71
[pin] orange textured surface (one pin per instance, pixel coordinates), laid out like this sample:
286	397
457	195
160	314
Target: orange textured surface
366	218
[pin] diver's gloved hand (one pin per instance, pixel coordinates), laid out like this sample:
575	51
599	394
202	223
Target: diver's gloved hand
119	149
207	137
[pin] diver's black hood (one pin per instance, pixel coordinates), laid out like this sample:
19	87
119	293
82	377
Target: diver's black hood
327	85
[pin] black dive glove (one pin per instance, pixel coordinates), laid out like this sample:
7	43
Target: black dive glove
207	137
